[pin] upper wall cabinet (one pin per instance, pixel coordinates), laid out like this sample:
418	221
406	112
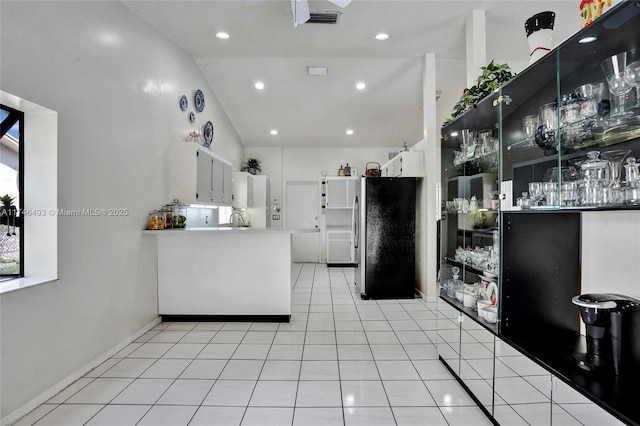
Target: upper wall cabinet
405	164
198	176
251	191
340	192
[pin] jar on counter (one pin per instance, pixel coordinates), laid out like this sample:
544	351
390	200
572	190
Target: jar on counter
155	221
179	213
167	214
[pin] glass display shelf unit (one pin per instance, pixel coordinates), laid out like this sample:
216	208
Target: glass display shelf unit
563	131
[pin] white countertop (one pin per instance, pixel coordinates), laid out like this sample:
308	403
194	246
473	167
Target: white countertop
228	229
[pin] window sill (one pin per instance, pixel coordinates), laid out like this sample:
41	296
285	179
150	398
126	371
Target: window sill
25	282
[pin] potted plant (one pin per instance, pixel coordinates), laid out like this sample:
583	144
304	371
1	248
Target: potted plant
252	165
7	205
493	76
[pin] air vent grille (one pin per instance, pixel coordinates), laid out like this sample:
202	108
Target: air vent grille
326	17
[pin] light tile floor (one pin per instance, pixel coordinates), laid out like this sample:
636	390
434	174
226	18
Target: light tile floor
340	361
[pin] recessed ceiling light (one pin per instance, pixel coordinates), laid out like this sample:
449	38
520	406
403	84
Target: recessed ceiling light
349	132
361	86
589	39
222	35
259	85
274	132
382	36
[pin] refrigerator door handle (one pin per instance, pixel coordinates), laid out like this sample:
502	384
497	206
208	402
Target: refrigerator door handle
356	222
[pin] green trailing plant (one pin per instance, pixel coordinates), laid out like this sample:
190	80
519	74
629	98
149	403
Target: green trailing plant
252	164
493	76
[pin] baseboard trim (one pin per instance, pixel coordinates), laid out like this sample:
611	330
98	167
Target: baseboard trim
250	318
426	298
52	391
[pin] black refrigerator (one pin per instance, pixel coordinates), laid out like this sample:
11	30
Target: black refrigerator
384	237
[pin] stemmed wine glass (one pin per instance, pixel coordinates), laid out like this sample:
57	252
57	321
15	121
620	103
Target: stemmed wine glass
614	70
535	190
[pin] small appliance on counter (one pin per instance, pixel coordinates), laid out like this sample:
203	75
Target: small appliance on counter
609	333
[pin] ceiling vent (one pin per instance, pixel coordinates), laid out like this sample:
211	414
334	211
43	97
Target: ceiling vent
326	17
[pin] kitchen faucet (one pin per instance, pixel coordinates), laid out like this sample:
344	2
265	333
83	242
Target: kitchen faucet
239	215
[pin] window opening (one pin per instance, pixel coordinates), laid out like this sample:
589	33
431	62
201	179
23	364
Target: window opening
11	190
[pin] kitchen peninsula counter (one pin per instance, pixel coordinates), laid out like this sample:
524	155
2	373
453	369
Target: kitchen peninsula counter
225	273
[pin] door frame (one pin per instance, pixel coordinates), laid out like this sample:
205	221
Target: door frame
317	184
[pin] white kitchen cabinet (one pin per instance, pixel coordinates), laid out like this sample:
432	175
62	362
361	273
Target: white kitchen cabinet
242	190
251	191
339	247
261	191
197	175
221	182
340	192
405	164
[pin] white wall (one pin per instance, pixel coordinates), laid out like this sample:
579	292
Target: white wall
115	84
611	252
282	164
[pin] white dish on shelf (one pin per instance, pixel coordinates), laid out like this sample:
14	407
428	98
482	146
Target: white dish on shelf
480	304
490	314
469	299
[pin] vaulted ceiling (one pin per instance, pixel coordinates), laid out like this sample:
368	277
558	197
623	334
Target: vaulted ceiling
316	111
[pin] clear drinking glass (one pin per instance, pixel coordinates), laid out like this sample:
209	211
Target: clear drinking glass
614	71
550	190
530	125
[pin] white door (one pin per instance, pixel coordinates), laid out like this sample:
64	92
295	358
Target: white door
302	211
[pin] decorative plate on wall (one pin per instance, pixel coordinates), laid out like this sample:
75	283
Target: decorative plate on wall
184	103
207	133
192	117
198	99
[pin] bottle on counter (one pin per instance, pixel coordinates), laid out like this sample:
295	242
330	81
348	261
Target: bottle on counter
347	170
341	171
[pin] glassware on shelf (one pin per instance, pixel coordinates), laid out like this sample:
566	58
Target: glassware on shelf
549	117
550	191
455	283
632	182
614	71
524	201
569	193
535	190
590	95
615	193
530	126
595	178
632	77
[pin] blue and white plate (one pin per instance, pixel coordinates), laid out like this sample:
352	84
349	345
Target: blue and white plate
192	117
198	100
207	133
184	103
